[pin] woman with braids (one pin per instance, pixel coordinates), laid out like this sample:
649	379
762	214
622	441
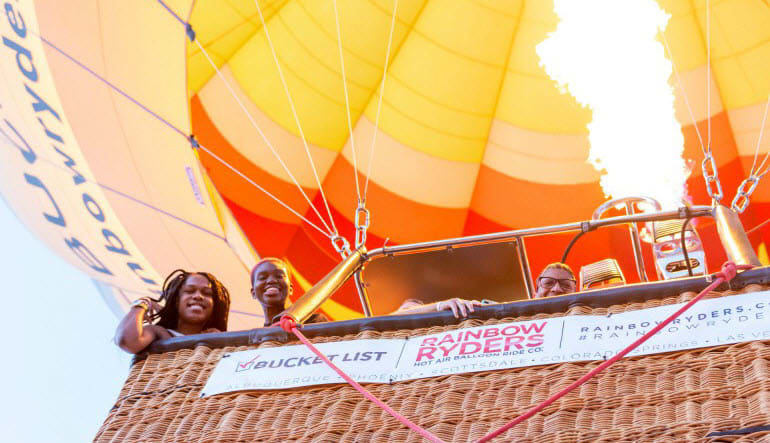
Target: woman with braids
195	303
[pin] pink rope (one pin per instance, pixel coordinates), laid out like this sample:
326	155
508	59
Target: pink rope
289	325
728	272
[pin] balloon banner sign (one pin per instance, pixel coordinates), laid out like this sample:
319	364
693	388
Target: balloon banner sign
715	322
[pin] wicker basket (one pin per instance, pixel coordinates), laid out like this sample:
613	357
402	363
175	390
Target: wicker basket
679	396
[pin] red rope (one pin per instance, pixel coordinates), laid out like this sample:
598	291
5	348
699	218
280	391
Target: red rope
728	272
289	325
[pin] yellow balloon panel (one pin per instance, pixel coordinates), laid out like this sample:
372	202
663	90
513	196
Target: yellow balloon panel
528	97
419	177
559	160
740	49
470	29
683	35
416	121
535	103
309	55
222	28
744	78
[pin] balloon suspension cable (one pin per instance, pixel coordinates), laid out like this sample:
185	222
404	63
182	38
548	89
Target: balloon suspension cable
379	101
683	91
708	166
708	74
759	143
759	226
347	100
265	191
261	133
63	168
296	116
712	177
742	195
193	142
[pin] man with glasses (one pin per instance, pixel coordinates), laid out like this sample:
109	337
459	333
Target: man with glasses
556	279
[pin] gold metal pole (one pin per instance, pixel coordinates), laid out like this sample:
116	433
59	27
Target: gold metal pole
734	239
315	296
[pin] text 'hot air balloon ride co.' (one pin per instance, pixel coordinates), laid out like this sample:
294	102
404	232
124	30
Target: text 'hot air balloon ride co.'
432	150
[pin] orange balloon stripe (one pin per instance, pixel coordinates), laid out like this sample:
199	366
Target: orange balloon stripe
393	216
269	237
730	175
521	204
762	191
311	255
234	187
722	142
499	203
276	239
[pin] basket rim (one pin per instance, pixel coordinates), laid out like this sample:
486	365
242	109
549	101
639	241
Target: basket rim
597	298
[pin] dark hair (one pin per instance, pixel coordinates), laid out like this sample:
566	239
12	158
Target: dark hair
169	314
265	260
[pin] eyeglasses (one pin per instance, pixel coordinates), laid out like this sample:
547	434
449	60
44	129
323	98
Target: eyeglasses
550	282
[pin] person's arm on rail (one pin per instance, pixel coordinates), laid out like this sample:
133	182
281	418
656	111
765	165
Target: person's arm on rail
458	306
132	334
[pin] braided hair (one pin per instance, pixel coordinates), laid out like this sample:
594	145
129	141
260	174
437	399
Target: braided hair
169	315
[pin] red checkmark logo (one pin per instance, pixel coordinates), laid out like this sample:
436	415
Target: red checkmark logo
247	365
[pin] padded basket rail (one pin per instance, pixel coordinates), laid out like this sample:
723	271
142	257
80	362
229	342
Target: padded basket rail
723	391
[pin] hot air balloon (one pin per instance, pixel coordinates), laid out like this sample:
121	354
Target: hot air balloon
143	136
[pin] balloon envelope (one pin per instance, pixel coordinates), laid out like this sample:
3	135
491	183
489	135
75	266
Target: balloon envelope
471	135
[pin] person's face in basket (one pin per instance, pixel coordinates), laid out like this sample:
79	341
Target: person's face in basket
271	284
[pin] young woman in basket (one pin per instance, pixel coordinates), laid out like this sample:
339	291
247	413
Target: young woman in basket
195	303
271	287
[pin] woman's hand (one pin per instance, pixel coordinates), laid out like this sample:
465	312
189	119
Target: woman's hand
458	306
133	334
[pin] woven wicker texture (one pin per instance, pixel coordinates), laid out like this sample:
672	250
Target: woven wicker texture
680	396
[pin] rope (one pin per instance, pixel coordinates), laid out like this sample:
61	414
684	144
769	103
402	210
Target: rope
684	93
347	100
379	102
289	325
108	83
137	200
758	226
728	272
708	72
170	11
169	125
296	116
759	142
265	191
262	134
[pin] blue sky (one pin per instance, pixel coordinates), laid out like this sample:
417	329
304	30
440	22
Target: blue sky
61	372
